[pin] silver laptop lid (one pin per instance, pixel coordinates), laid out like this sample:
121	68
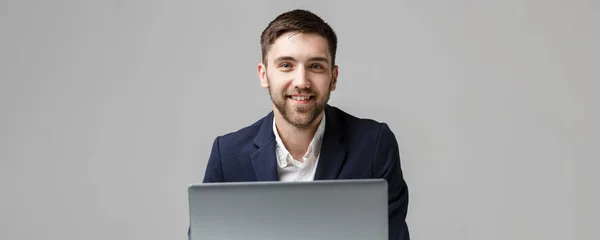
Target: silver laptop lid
330	209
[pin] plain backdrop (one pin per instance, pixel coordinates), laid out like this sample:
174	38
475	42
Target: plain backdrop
109	108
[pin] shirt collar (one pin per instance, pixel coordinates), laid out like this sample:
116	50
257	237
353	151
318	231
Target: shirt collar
313	151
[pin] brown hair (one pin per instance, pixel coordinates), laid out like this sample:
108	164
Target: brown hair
302	21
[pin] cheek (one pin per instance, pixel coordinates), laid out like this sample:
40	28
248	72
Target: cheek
278	81
323	83
276	87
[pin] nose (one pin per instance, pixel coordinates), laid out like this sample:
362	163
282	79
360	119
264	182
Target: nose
301	79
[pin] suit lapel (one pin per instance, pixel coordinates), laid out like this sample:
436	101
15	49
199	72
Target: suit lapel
264	159
333	152
265	162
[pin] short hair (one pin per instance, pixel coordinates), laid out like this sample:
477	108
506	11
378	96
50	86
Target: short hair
301	21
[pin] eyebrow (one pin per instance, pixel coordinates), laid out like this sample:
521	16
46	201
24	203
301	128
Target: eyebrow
319	59
284	58
314	59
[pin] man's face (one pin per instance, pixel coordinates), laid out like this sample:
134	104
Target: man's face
299	77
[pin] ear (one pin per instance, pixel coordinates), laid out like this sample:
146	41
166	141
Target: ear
262	75
334	77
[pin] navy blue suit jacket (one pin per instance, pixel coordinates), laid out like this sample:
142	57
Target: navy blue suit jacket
352	148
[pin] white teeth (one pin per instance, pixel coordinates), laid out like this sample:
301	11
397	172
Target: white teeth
300	98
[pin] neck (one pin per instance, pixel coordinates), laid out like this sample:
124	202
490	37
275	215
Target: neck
296	140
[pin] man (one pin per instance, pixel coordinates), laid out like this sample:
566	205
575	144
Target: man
304	138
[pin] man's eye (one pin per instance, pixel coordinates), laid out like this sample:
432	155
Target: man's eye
285	65
318	66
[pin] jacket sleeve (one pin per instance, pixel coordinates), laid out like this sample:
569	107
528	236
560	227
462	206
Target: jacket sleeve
214	171
387	166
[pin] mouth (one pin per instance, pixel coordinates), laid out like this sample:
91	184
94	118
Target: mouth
302	99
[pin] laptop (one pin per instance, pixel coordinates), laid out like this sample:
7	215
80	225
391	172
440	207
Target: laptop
326	209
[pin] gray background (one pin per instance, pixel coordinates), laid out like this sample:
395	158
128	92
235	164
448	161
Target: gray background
109	108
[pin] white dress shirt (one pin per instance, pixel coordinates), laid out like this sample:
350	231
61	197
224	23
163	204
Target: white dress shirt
290	169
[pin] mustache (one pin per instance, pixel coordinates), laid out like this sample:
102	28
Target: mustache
300	91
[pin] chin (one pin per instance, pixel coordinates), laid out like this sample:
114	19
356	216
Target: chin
301	119
299	115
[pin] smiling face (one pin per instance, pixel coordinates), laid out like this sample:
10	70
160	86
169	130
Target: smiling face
299	75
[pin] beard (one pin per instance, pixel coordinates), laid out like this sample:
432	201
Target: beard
300	116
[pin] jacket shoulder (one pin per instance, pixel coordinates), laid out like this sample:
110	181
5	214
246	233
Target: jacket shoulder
353	123
242	140
363	132
240	137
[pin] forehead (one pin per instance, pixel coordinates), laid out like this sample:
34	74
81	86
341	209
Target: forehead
300	46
